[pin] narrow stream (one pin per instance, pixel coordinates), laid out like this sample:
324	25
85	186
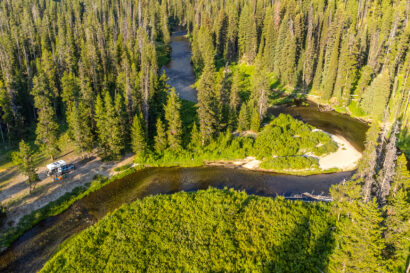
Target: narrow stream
36	246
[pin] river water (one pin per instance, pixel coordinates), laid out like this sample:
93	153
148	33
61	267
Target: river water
36	246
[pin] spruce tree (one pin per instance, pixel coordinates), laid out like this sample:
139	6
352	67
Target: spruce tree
80	128
24	159
208	104
359	241
173	117
397	219
255	121
102	125
244	119
368	163
121	119
138	138
247	35
71	89
47	127
375	96
115	139
161	138
195	142
260	89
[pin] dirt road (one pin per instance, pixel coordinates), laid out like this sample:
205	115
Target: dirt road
15	194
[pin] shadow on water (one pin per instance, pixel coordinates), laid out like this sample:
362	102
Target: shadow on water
34	248
333	122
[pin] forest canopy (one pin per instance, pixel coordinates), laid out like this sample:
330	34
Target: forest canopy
87	65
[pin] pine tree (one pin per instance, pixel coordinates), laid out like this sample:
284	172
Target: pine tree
113	122
138	139
234	99
121	119
80	128
230	52
368	163
269	36
255	121
359	241
47	127
161	138
71	89
208	104
101	124
195	142
6	117
243	120
173	117
375	96
260	89
24	159
247	36
331	62
386	174
398	211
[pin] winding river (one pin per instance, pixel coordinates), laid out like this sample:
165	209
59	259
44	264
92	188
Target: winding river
34	248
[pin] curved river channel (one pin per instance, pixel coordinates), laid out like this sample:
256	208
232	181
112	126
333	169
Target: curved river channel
36	246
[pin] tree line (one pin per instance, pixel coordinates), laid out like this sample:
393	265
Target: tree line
58	57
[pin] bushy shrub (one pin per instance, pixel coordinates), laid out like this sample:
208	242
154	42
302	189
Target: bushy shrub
206	231
290	163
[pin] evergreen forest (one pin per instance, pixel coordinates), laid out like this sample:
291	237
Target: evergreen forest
88	74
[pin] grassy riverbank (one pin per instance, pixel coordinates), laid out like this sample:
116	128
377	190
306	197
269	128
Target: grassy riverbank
205	231
284	145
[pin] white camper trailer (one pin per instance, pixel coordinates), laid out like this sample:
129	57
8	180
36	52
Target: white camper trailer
53	167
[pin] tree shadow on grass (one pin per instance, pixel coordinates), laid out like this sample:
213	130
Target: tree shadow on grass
304	251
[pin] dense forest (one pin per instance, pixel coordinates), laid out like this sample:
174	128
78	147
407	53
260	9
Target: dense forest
89	65
91	70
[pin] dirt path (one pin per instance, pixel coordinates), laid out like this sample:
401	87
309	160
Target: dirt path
20	202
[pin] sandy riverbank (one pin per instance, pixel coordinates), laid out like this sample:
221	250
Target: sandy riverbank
344	159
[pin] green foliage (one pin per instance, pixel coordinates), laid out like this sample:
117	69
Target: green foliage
359	239
208	110
398	217
56	207
24	159
375	96
173	117
3	214
138	138
286	136
281	164
255	121
47	127
272	141
122	168
244	118
161	138
206	231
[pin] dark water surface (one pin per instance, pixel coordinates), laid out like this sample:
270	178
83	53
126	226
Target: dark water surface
179	70
36	246
353	130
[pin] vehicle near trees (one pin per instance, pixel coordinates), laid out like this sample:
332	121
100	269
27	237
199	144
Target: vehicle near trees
54	167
